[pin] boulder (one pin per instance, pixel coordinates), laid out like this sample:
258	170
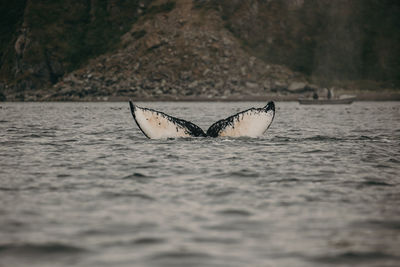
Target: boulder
152	41
251	85
297	87
2	97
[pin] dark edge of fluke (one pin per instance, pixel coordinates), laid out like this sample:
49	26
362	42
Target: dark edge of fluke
270	106
132	106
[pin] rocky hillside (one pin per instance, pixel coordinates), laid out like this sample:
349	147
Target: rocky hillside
324	39
194	49
43	40
183	52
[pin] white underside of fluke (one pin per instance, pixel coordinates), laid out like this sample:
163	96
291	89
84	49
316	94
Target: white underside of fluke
252	123
155	125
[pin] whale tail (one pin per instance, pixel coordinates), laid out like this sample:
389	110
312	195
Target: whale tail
154	124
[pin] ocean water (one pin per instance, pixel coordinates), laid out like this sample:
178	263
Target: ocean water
80	185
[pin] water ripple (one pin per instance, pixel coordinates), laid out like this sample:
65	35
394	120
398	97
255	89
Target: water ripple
39	249
82	186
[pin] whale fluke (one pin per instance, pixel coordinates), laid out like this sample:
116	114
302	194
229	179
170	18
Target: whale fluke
253	122
155	124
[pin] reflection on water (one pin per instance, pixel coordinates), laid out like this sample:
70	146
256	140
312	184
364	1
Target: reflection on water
81	185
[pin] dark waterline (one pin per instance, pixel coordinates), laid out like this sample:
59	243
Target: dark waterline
80	185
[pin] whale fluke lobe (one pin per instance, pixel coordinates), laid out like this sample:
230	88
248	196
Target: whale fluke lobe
155	124
132	106
270	106
253	122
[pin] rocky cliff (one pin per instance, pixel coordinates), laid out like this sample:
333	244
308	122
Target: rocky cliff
183	52
195	49
43	40
327	40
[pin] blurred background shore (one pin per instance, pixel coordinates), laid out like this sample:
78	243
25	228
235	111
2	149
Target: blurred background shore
198	50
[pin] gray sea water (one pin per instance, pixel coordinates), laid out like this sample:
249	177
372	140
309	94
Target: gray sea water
80	185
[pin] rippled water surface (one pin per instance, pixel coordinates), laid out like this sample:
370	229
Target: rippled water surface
80	185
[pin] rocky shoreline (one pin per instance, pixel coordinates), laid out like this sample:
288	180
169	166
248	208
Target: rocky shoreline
182	54
386	95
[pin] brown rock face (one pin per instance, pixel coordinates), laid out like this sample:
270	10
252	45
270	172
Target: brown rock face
184	52
167	49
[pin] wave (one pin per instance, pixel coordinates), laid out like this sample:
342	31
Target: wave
323	138
375	183
352	257
37	249
327	138
311	138
246	173
217	240
181	254
137	176
383	224
148	241
235	212
110	194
